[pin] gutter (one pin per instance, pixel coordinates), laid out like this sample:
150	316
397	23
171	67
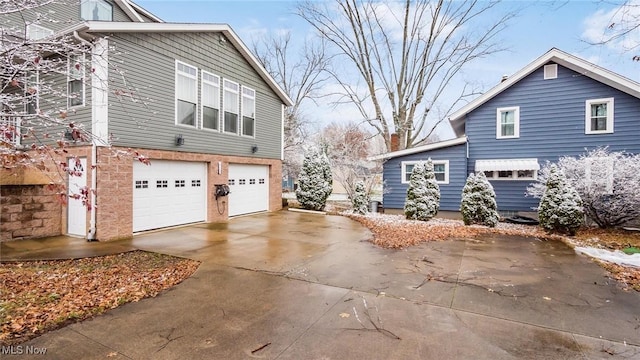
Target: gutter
91	235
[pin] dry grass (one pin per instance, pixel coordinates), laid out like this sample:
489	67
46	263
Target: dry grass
40	296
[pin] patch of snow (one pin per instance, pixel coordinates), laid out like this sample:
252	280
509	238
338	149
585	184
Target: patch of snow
616	257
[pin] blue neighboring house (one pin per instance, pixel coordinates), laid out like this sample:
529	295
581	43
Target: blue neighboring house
558	105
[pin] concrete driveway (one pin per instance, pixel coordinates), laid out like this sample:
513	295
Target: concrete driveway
301	286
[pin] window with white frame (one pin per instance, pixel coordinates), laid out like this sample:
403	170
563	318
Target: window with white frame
75	80
248	112
440	170
96	10
186	94
231	106
210	101
599	116
511	174
508	122
550	71
37	32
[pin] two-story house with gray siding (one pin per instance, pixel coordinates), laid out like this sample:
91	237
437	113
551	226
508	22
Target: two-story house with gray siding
558	105
190	97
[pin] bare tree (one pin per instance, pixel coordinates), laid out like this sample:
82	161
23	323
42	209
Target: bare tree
43	76
407	54
301	75
348	148
618	28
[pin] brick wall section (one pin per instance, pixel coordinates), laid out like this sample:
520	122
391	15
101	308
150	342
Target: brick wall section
28	211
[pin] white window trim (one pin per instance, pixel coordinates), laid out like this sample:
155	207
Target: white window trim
82	81
514	176
516	122
241	118
220	111
224	108
31	28
104	2
175	100
587	116
404	164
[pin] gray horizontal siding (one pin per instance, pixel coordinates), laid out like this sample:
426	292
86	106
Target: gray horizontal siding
59	15
552	122
148	63
450	194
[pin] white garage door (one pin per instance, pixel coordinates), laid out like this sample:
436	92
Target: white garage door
249	185
168	193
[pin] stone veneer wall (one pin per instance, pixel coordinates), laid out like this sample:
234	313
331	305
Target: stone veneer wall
29	211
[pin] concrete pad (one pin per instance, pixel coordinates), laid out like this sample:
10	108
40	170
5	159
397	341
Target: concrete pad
285	285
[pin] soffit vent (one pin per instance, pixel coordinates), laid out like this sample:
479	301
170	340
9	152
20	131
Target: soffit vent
550	71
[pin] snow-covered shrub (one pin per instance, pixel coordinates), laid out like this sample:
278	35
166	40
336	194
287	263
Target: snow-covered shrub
478	204
423	195
315	181
560	207
607	183
360	199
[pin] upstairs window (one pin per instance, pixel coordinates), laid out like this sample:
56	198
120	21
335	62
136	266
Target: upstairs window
75	80
210	101
248	111
508	122
599	116
96	10
231	106
31	95
37	32
186	94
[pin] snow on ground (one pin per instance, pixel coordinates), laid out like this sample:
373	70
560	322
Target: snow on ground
616	257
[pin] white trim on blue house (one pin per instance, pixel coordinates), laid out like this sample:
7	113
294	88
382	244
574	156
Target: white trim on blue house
403	167
418	149
554	55
588	116
516	122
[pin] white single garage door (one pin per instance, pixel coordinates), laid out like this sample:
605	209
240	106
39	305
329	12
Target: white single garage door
249	185
168	193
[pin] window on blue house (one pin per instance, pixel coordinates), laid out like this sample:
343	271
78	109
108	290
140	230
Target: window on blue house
440	169
508	122
599	116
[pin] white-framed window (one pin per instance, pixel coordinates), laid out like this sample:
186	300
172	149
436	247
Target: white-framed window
440	169
599	116
37	32
248	112
511	175
508	122
231	106
186	94
550	71
96	10
210	110
599	175
75	80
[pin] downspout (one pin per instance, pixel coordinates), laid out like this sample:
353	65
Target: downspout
91	235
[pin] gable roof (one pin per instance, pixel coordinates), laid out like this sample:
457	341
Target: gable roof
88	27
419	149
562	58
134	11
